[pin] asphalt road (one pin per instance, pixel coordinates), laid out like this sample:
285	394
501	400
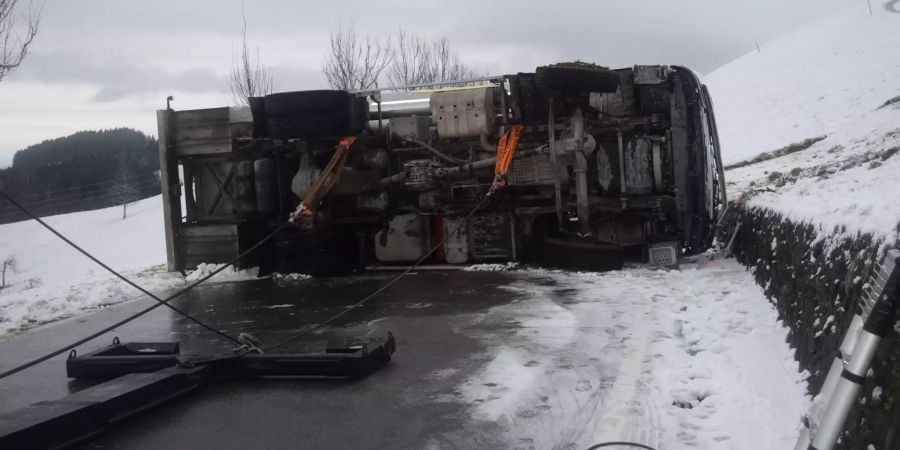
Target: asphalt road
412	403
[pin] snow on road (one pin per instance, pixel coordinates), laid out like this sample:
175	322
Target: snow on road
672	359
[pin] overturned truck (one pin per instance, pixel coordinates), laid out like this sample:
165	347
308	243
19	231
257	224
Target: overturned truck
587	167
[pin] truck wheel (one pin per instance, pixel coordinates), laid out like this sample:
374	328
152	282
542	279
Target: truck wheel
314	113
566	254
577	77
298	126
291	103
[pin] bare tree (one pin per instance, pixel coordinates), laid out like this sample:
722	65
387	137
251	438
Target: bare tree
249	77
124	189
412	60
354	61
447	64
419	60
9	264
15	36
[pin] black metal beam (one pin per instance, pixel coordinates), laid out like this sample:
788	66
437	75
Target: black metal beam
148	374
78	417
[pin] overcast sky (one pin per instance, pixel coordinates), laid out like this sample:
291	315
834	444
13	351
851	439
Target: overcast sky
104	64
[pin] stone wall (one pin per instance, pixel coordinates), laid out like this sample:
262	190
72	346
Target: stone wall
815	282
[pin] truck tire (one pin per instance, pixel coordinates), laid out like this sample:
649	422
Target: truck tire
579	77
290	127
291	103
569	254
314	113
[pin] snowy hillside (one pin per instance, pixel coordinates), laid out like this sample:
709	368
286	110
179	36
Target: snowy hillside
847	181
834	83
808	83
53	280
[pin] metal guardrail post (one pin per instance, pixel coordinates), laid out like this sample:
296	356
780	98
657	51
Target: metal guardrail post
171	187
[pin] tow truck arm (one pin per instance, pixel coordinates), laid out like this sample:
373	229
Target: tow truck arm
144	375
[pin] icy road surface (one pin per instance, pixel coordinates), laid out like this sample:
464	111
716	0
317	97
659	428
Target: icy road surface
672	359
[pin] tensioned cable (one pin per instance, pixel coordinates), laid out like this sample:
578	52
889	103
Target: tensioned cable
88	195
160	302
165	301
52	209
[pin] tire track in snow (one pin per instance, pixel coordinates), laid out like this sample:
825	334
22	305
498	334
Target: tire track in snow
627	413
690	358
547	382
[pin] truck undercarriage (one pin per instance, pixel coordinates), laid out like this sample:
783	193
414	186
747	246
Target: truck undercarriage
588	167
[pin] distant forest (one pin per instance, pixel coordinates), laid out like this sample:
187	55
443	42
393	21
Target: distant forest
86	170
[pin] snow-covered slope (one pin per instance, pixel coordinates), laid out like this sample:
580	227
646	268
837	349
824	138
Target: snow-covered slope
837	78
808	83
135	242
846	183
53	280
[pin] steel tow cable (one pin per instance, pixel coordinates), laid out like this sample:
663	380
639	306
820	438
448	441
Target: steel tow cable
386	285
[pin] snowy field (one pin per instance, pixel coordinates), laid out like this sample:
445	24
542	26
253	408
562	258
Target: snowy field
689	358
54	281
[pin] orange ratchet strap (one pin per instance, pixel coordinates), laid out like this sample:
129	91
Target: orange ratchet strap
327	179
505	151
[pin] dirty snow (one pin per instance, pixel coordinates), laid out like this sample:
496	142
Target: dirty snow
290	277
229	274
672	359
54	281
492	267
